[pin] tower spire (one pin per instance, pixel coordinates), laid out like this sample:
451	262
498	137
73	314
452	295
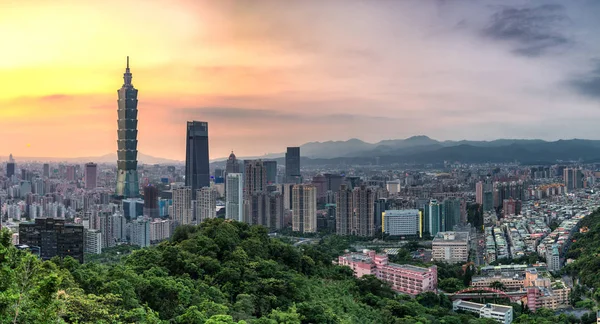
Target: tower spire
127	76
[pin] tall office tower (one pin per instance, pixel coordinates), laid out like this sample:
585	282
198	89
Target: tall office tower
271	167
363	202
451	214
207	204
234	197
255	177
46	171
381	205
334	181
343	211
93	241
573	179
54	238
91	175
197	165
151	202
140	232
132	208
219	173
433	218
479	192
292	165
233	165
304	206
182	206
10	167
70	173
127	176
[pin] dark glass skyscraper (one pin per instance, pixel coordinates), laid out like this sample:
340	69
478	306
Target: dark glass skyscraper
197	168
292	165
127	177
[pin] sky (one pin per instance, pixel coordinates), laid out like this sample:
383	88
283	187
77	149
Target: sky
270	74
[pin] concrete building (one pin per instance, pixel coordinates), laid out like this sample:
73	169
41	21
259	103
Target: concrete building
206	199
304	207
234	197
501	313
451	247
363	207
93	241
402	222
255	177
343	211
271	169
182	206
433	218
54	238
393	187
91	175
140	232
553	259
160	230
406	279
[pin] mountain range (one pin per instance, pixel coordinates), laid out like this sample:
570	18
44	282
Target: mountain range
103	159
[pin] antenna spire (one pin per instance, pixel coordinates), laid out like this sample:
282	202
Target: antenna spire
127	76
128	62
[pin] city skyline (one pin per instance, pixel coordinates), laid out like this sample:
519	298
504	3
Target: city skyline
451	70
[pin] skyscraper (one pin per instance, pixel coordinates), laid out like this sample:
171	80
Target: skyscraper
127	176
91	174
232	166
151	202
10	167
182	206
292	165
234	197
271	167
46	173
343	201
433	218
255	177
304	206
197	168
363	202
206	199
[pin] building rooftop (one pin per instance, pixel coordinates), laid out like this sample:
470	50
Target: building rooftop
409	267
458	237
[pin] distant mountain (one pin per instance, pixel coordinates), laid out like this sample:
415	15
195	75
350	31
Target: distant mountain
107	158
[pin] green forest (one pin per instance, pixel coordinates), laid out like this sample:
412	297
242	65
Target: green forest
218	272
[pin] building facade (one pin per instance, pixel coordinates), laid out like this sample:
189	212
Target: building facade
451	247
500	313
402	222
127	175
197	165
207	204
54	238
304	207
234	197
91	175
292	165
182	206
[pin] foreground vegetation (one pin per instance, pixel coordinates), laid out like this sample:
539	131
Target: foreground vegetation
219	272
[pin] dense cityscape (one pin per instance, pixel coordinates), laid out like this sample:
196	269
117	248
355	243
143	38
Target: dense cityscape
300	162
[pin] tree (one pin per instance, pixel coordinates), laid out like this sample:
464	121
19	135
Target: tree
451	285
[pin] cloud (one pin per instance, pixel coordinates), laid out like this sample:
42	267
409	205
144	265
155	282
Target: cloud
535	31
589	84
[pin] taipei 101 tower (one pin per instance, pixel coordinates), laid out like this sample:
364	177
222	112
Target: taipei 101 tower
127	177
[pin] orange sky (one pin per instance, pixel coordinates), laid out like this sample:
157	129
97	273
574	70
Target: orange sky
270	74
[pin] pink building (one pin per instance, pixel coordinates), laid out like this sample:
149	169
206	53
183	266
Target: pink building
403	278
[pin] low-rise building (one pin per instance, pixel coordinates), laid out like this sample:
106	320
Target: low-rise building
500	313
403	278
451	247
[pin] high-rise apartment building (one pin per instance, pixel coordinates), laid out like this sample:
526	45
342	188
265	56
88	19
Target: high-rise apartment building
93	241
197	165
234	197
70	173
363	220
127	175
91	175
304	206
344	211
206	199
573	179
292	165
271	169
160	229
54	238
140	232
255	177
113	228
182	206
450	213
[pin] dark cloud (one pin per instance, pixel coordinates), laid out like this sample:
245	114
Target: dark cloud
535	30
589	85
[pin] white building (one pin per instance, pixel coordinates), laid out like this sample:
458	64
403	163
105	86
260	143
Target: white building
206	200
451	247
401	222
553	258
160	229
304	207
140	232
500	313
234	197
393	187
93	241
182	206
